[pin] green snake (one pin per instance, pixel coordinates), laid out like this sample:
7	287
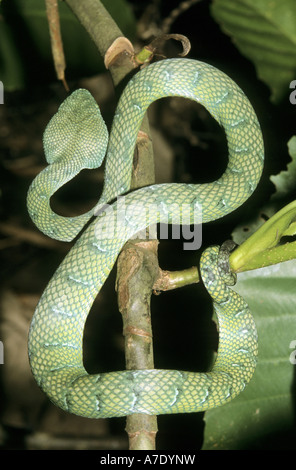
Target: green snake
77	138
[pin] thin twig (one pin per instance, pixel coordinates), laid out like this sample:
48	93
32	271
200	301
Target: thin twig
56	40
31	236
181	8
168	280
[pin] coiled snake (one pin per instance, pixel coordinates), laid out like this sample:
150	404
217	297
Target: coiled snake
76	138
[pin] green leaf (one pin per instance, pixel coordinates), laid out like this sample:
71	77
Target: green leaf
263	247
285	181
262	416
265	32
285	191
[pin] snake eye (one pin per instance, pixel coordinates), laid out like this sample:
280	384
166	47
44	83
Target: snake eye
221	203
229	393
251	187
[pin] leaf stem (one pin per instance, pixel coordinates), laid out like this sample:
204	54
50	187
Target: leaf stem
264	247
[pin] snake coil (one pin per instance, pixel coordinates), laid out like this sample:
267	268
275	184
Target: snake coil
77	138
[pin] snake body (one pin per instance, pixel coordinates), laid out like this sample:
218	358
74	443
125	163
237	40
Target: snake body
56	332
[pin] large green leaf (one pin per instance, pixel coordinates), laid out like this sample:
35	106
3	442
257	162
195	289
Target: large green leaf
285	181
262	416
265	32
285	191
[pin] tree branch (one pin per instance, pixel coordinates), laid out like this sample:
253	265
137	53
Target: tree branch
136	322
104	32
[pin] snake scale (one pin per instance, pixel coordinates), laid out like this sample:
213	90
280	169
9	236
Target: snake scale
76	138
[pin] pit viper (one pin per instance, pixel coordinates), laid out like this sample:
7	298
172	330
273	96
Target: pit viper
76	138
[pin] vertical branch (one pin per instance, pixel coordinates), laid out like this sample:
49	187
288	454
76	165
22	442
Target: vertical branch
136	273
104	32
137	265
